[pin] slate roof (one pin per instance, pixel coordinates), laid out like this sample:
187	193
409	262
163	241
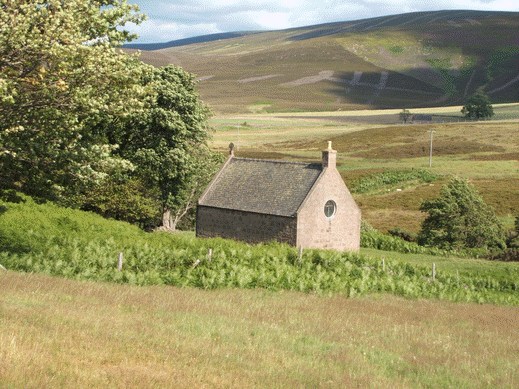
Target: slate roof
262	186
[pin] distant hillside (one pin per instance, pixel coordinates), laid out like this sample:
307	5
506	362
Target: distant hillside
411	60
187	41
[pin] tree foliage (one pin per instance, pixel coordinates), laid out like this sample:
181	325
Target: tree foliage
167	141
92	127
59	74
460	218
123	199
478	106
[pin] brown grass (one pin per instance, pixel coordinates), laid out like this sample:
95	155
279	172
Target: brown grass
405	52
502	194
62	333
496	157
414	149
398	208
486	153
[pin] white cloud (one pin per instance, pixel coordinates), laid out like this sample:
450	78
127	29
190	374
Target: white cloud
265	19
155	31
177	19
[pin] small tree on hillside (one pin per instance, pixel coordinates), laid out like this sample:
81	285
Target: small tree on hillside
460	218
478	106
514	236
405	115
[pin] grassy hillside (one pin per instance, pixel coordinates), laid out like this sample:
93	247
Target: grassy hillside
411	60
63	242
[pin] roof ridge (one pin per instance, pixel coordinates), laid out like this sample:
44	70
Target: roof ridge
275	161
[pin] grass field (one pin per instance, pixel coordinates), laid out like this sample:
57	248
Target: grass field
57	333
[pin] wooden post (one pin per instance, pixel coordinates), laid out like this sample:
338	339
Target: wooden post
120	262
458	277
209	255
197	262
300	253
434	271
383	264
3	268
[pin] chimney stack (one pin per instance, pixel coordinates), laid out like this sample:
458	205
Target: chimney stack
329	156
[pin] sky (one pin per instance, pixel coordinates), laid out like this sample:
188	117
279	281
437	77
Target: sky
179	19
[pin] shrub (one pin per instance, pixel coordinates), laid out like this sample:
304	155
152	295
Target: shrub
380	241
460	219
508	255
401	233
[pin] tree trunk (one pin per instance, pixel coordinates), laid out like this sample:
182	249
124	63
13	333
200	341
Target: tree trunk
166	218
182	211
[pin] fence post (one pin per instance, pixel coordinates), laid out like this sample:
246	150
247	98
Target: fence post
383	264
209	255
458	277
120	262
300	253
3	268
434	271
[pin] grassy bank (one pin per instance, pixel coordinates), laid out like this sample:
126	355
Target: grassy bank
58	333
62	242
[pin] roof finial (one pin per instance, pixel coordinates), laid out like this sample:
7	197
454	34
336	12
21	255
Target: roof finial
329	145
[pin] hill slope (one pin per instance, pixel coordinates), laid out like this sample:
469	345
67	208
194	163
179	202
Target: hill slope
409	60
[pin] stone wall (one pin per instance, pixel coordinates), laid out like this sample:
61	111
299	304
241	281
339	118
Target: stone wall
340	232
249	227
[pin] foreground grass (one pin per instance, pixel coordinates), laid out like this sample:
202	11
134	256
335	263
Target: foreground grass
65	333
454	265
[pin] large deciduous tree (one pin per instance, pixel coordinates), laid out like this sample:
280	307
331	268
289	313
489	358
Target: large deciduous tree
90	126
59	74
167	142
478	106
459	218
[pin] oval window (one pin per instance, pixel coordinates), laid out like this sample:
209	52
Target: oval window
329	209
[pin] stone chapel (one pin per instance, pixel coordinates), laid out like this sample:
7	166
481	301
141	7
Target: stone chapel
302	204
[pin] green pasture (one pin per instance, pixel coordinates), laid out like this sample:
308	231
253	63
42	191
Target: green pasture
453	265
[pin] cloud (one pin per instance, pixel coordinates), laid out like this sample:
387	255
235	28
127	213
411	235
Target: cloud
177	19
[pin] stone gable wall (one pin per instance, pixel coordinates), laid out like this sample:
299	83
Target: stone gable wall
342	231
245	226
